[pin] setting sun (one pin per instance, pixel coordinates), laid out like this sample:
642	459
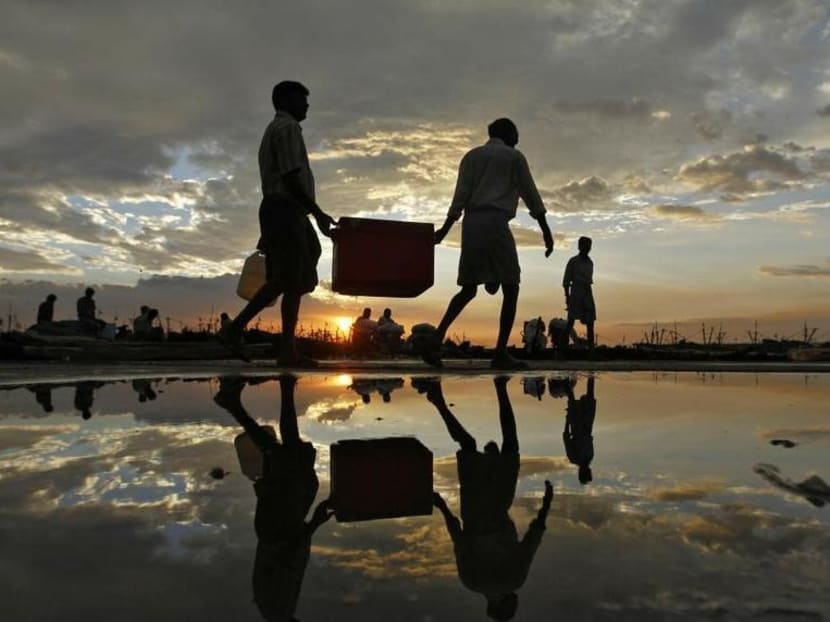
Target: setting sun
344	324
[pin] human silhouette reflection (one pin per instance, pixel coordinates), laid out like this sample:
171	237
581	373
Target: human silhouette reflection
285	490
144	388
578	434
43	396
364	387
489	556
84	397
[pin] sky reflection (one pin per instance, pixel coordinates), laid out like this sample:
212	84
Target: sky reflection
676	523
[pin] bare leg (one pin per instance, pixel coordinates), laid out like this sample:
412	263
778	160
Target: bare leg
261	299
510	293
435	395
454	309
510	438
289	431
590	329
229	398
290	311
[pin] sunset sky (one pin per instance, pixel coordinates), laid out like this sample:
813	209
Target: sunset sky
690	139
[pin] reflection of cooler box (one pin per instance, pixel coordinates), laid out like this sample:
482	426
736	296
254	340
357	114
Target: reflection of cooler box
382	258
380	478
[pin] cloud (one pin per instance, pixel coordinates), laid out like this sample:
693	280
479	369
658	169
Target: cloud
685	491
756	168
12	260
824	111
800	270
612	108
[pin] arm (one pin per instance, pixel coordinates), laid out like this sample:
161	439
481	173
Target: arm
324	221
463	192
566	280
322	513
530	195
453	524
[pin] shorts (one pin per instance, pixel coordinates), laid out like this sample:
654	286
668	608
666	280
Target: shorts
488	250
290	244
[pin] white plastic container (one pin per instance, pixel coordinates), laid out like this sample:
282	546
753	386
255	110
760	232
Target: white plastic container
252	277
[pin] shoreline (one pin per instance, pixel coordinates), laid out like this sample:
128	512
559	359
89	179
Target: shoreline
15	373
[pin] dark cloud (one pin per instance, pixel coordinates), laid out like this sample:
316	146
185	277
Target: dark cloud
683	212
800	270
824	111
756	168
611	108
28	261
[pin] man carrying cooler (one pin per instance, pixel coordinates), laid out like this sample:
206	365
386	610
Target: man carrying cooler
287	239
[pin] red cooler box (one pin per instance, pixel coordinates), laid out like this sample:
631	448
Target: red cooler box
382	258
380	478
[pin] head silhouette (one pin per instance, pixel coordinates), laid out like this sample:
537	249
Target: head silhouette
505	130
367	312
89	293
491	447
387	312
51	298
584	245
291	97
503	608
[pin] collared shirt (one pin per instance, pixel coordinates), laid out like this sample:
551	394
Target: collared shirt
494	176
578	271
282	151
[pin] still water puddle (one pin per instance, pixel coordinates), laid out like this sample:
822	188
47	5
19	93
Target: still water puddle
675	497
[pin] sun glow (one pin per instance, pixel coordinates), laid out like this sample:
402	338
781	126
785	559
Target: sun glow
344	324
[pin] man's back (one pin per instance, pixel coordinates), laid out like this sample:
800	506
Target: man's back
86	308
494	176
45	311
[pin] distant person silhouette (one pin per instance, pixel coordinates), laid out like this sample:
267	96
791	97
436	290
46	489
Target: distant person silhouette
579	296
287	239
84	397
43	396
46	309
491	178
578	434
144	388
86	310
285	491
489	556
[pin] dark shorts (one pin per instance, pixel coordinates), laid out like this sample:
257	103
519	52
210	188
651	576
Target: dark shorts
290	244
581	304
488	485
488	250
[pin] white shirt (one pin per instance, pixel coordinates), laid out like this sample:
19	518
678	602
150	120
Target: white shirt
494	176
281	151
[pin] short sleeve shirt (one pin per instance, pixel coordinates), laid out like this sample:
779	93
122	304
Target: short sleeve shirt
578	271
282	151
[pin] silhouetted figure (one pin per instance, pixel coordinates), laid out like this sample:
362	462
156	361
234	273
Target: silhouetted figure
285	491
389	331
491	179
84	396
579	428
144	388
46	309
145	326
363	331
813	489
533	335
287	238
489	556
224	321
86	310
579	296
43	396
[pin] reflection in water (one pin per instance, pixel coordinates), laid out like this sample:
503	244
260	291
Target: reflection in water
43	396
285	487
578	433
814	489
144	388
85	395
489	556
364	387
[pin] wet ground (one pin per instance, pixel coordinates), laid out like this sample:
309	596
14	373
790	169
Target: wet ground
128	499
